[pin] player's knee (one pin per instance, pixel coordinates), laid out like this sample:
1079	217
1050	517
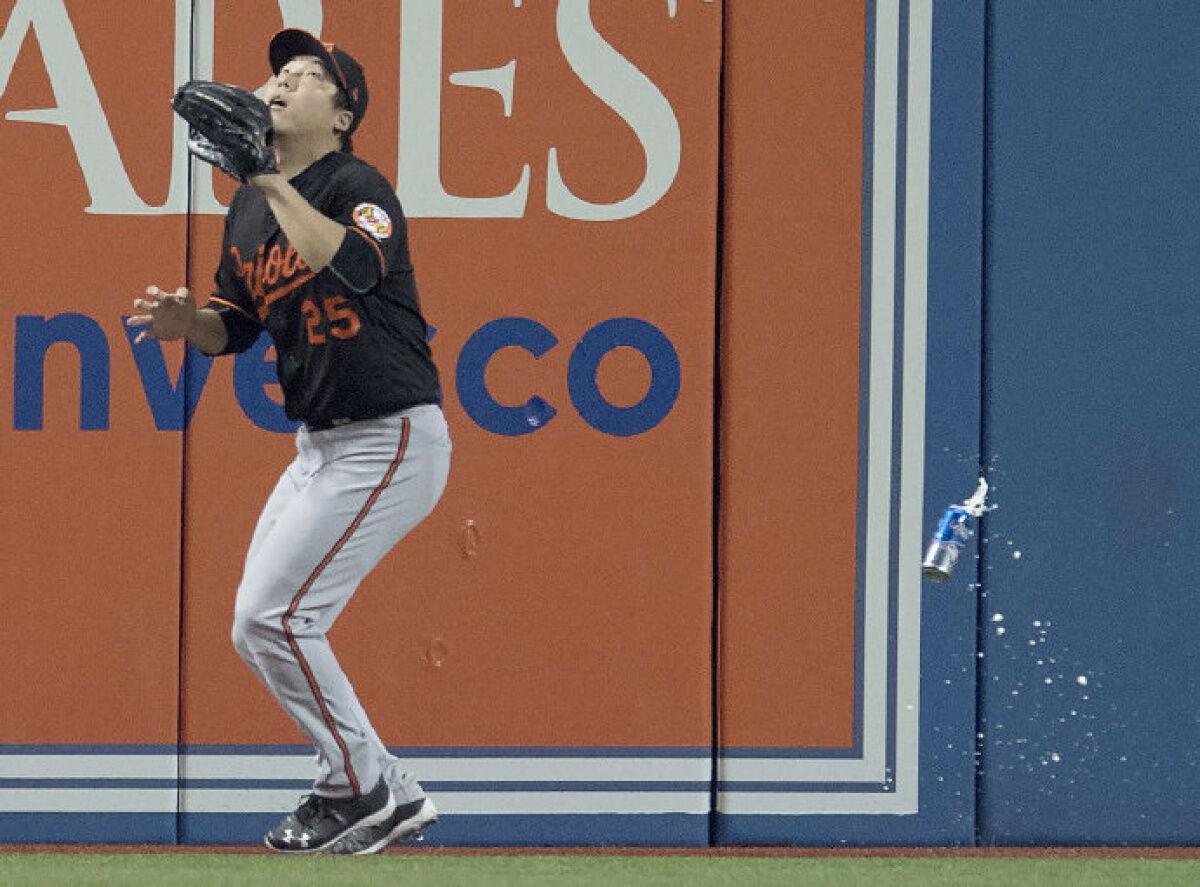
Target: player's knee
240	634
252	633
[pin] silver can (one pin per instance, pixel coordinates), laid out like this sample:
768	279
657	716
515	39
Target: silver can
951	535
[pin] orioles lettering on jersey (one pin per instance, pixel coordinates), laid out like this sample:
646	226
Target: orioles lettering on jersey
281	270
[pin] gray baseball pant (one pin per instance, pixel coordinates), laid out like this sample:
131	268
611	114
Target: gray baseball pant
349	496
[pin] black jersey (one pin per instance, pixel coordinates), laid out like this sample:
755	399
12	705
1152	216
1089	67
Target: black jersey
350	340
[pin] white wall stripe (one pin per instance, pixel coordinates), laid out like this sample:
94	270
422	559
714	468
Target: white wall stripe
93	800
466	803
565	802
52	766
851	770
471	769
230	801
879	412
789	804
443	769
446	769
912	434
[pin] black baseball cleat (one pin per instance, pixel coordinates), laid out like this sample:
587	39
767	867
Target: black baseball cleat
407	821
319	821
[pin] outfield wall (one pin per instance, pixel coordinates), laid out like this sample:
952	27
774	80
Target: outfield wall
729	301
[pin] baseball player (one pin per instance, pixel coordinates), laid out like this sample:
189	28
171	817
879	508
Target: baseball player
315	252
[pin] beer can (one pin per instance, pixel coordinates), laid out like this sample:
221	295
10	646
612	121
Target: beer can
947	543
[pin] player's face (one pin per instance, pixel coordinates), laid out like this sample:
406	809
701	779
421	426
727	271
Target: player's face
302	99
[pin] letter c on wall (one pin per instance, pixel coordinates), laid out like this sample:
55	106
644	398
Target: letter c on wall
472	367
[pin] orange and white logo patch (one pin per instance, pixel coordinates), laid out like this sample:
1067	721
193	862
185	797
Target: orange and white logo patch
373	220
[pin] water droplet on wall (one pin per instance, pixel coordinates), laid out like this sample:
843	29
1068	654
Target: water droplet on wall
435	653
468	539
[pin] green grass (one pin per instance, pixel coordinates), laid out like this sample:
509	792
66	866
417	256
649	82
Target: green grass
179	870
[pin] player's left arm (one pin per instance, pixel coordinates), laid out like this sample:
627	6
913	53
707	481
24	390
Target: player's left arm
314	235
363	236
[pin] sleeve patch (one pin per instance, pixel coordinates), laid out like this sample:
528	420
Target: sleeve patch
372	219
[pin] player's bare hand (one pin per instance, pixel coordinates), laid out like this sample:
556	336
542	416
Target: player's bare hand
168	316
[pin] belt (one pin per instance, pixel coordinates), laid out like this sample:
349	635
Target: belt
326	424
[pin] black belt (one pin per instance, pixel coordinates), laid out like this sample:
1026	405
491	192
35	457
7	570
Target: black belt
338	423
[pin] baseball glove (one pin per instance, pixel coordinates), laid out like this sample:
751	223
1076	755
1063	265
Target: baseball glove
230	128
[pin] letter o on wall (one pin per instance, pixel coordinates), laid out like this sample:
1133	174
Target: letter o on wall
664	376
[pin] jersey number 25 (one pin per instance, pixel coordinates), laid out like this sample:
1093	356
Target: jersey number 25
335	317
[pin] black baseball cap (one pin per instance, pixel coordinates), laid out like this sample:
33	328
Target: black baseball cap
291	42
